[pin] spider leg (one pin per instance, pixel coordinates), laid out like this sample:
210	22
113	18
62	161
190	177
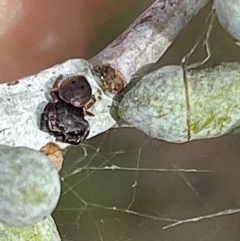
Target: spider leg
86	112
56	82
54	90
88	105
54	96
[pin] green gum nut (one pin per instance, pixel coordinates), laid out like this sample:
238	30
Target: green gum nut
178	106
228	13
29	186
45	230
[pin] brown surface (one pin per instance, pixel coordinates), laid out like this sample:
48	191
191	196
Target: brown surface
38	34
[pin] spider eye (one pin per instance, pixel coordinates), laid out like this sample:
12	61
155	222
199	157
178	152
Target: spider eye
75	133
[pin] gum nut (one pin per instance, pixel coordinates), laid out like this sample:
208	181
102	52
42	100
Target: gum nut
157	105
29	186
45	230
228	13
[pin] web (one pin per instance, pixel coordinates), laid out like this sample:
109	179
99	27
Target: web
145	189
125	186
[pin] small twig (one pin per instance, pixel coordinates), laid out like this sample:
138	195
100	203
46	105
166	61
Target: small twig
205	39
146	40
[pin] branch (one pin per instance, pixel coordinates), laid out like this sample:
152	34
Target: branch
147	39
143	43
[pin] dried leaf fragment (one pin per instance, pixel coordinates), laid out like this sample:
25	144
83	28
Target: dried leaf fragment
54	153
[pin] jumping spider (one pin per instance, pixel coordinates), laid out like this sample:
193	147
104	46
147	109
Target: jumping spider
64	118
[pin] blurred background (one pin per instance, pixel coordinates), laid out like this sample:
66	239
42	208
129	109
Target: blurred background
125	186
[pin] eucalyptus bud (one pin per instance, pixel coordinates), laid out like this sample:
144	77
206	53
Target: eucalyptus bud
228	12
178	106
29	186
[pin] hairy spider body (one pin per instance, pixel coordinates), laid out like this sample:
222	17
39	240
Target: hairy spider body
64	118
65	122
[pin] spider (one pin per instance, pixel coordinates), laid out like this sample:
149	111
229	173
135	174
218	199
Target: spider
64	118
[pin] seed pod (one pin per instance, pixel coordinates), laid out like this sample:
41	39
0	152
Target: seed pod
228	12
178	106
45	230
29	186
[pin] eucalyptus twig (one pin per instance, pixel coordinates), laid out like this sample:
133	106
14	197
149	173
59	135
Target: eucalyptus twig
144	42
